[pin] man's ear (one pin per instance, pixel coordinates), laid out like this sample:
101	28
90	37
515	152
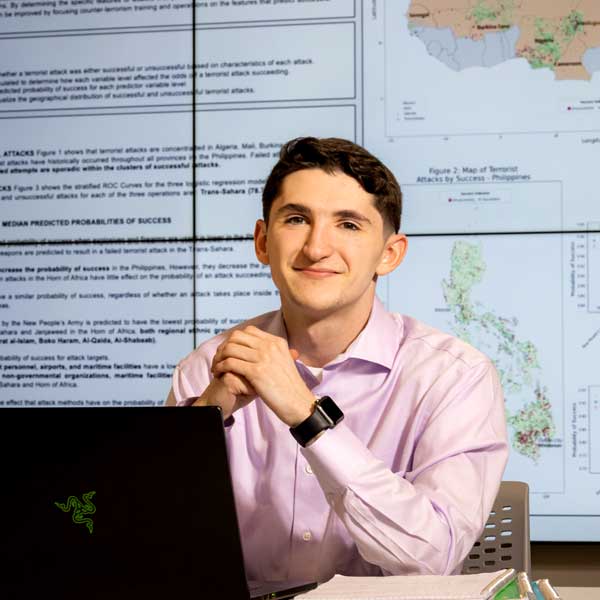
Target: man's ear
260	242
393	253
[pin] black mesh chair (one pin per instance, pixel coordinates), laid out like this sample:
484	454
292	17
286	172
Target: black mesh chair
504	542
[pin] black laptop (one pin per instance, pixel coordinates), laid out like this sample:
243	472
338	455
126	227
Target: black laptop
123	503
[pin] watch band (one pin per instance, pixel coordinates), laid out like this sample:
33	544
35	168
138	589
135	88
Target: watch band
326	415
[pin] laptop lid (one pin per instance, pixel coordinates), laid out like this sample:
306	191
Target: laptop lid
117	503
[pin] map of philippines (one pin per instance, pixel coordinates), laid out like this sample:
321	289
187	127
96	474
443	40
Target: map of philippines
515	359
562	35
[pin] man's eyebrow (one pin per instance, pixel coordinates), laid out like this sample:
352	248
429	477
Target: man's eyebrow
352	214
293	207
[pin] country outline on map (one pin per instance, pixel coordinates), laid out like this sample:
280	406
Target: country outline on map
563	36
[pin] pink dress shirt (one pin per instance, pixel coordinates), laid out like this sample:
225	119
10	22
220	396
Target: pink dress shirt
403	485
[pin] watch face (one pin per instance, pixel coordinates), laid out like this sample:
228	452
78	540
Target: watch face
331	409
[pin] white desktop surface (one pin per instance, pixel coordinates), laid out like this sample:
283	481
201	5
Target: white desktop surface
579	593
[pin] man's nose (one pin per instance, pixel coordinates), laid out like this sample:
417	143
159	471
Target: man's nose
318	243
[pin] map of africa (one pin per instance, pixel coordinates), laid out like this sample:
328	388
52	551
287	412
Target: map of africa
560	35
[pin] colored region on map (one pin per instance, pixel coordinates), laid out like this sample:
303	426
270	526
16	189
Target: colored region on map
515	359
563	36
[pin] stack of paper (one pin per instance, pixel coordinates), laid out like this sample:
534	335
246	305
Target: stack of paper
480	586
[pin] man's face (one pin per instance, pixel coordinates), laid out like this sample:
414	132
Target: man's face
325	242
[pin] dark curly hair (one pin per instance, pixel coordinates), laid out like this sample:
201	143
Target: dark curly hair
331	155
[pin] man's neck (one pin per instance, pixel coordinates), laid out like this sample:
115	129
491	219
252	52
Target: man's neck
319	339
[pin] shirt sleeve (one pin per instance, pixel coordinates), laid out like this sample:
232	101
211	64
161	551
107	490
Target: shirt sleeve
426	520
181	392
189	381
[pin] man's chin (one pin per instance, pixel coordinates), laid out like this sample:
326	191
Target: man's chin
320	308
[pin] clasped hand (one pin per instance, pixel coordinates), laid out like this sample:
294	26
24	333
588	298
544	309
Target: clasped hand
252	362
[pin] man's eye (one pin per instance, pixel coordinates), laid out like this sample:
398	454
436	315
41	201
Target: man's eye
350	225
295	220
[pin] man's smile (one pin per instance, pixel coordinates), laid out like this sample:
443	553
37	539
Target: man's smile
316	273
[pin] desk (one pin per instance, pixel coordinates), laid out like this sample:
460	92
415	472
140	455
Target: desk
579	593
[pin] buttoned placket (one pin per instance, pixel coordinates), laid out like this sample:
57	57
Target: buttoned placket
311	509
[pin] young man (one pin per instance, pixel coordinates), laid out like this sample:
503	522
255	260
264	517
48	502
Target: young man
405	482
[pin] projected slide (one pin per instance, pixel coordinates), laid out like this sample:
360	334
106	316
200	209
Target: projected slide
117	258
521	133
522	68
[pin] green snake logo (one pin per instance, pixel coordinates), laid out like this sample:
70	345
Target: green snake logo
80	509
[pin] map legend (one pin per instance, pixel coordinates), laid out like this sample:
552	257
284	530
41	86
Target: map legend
459	207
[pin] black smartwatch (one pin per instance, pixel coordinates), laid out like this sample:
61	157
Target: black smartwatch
325	415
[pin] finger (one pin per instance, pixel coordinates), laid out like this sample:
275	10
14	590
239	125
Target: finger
257	333
294	353
232	350
246	388
235	350
246	336
237	337
219	353
266	340
232	365
238	385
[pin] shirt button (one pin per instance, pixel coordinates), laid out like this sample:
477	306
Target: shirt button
307	536
308	469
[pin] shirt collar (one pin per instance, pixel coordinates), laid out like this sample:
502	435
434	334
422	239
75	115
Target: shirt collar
376	343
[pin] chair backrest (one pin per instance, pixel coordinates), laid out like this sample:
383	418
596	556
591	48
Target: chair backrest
504	542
